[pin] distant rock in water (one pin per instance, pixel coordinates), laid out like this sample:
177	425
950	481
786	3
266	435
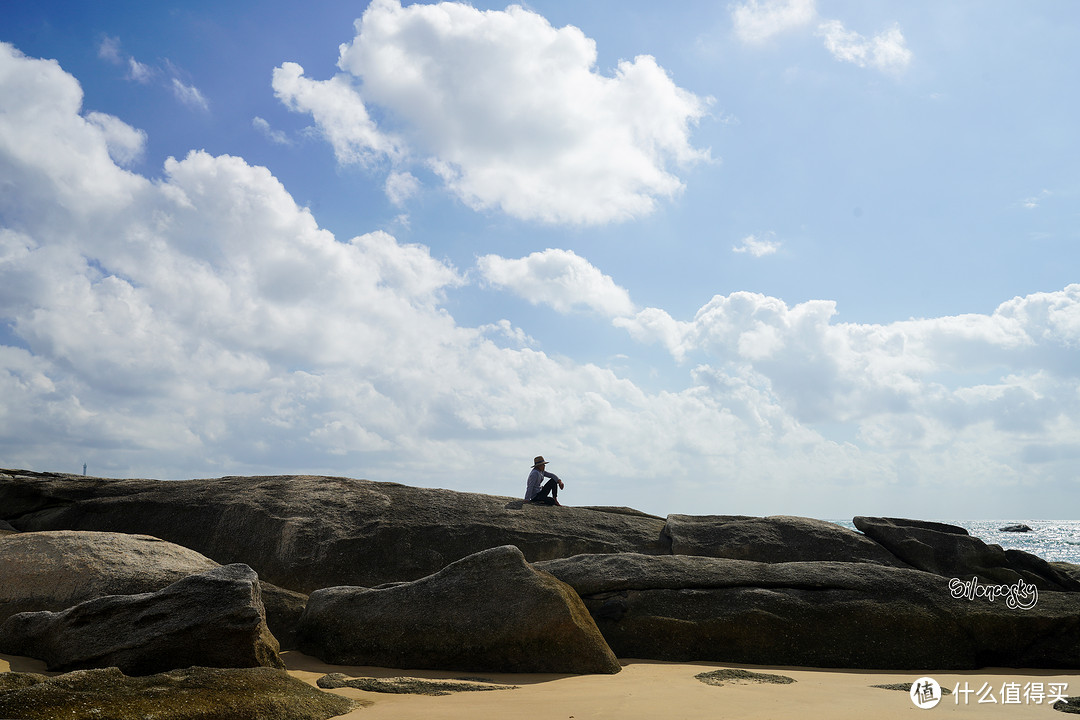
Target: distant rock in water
488	612
213	619
1019	528
196	693
306	533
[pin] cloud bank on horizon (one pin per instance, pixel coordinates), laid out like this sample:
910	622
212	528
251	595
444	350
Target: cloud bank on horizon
202	322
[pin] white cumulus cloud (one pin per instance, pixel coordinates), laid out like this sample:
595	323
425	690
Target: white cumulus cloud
757	246
509	111
125	143
400	186
886	51
559	278
275	136
758	20
189	95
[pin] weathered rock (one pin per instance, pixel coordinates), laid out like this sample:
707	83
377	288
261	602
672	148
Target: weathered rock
405	685
905	687
1069	570
772	539
731	676
489	611
1068	705
1019	528
54	570
6	527
305	533
284	608
213	619
196	693
950	551
818	614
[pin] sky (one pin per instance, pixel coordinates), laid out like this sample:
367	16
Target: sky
756	257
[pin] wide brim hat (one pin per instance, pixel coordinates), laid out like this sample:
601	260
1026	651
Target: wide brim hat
538	461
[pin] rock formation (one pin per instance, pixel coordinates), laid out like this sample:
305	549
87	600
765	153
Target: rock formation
53	570
818	614
950	551
490	611
58	569
775	590
305	533
198	692
772	539
212	619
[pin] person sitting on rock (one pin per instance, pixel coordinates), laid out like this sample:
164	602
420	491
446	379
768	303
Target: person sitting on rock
537	490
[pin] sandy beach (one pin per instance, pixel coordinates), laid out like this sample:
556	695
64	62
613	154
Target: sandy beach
651	689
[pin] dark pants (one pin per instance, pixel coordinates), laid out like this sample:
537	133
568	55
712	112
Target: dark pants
551	487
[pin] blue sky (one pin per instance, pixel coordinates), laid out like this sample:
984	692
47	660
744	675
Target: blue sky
772	257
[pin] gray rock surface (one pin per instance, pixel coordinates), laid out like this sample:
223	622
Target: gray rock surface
212	619
406	685
196	693
54	570
1018	528
779	538
733	676
1069	570
305	532
817	614
950	551
58	569
490	611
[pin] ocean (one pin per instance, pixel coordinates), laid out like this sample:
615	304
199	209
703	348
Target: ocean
1049	539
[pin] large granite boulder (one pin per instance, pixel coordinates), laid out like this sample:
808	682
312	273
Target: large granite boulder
779	538
305	533
949	550
213	619
196	693
490	611
53	570
57	569
819	614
